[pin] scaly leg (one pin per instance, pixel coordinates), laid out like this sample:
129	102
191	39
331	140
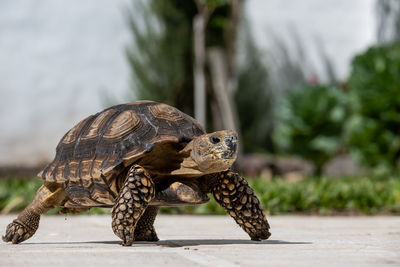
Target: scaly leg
48	196
234	194
144	230
131	203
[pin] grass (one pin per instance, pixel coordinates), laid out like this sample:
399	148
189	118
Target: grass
363	195
351	195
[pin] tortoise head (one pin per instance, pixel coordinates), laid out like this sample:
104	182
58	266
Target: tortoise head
208	153
214	152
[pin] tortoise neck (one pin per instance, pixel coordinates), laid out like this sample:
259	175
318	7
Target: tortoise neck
188	166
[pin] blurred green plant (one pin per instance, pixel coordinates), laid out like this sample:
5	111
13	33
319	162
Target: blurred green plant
161	54
373	131
16	193
364	195
351	195
288	67
253	97
310	123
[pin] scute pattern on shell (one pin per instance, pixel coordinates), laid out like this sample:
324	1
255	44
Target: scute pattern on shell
88	154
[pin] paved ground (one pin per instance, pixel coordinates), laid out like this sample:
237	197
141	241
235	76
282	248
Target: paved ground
210	241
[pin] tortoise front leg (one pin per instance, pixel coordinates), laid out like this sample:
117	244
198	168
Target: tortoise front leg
48	196
234	194
131	203
144	230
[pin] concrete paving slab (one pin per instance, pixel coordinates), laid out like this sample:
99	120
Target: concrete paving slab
210	241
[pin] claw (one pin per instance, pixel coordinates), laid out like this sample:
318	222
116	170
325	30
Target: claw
127	239
16	233
5	239
15	239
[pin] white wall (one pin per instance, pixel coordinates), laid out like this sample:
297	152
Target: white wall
57	57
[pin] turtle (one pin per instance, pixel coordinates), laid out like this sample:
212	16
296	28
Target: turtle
135	158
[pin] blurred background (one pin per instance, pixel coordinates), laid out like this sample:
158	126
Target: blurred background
312	87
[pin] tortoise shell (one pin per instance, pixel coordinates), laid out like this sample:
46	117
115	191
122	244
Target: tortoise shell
90	156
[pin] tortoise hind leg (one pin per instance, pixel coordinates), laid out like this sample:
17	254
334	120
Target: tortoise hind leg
132	201
144	230
48	196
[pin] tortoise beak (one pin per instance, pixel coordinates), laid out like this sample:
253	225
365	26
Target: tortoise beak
231	142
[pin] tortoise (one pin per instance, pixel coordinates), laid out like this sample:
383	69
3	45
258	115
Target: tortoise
135	158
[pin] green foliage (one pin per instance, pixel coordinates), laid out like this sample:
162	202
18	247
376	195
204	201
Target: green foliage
374	86
212	4
359	195
15	194
254	99
328	196
310	123
161	54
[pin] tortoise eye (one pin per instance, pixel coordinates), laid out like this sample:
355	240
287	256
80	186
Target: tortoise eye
215	139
